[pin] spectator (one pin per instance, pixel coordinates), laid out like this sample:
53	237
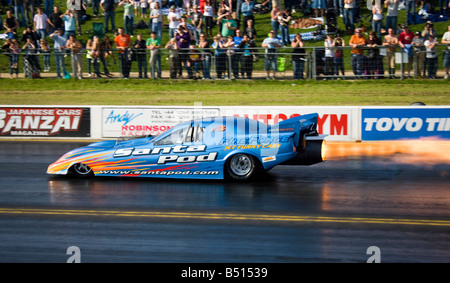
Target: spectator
270	59
221	11
391	14
109	7
410	7
349	15
48	7
285	20
203	45
77	60
29	33
391	41
208	15
229	25
31	59
197	22
174	60
154	44
89	56
233	65
105	52
69	23
123	43
446	40
317	5
40	23
250	31
184	40
357	60
108	52
59	43
144	9
54	20
429	30
156	20
128	16
95	7
78	7
44	49
238	52
298	60
220	55
339	42
419	54
19	11
274	14
431	56
247	8
405	39
374	62
173	19
329	56
96	54
195	58
11	25
140	48
247	47
377	19
12	48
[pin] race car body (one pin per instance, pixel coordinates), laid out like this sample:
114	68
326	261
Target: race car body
209	148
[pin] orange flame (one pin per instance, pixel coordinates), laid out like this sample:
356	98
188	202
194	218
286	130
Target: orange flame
425	151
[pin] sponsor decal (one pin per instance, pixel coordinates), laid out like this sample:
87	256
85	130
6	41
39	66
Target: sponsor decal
63	122
167	153
390	124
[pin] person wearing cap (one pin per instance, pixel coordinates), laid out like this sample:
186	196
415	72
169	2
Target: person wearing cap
431	56
446	40
429	30
405	39
271	44
419	54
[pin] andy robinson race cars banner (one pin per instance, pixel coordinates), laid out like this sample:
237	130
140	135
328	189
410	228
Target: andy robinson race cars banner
45	122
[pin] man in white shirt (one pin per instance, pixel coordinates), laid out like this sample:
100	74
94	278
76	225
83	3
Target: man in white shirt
40	23
270	59
172	18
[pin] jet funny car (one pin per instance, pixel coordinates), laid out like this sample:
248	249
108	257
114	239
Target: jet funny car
233	148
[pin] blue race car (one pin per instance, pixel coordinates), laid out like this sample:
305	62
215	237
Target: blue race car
233	148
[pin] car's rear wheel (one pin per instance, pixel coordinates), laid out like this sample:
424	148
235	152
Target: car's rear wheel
241	167
82	170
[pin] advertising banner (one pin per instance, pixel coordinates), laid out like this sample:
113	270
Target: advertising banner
404	123
117	122
45	122
339	123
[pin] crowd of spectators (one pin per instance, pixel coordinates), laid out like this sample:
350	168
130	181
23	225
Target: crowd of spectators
192	46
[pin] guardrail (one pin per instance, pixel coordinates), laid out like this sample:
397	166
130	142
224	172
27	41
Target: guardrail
252	63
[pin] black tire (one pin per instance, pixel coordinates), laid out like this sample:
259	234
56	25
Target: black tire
82	170
241	167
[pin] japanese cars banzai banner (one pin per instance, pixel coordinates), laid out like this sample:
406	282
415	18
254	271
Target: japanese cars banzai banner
404	123
45	122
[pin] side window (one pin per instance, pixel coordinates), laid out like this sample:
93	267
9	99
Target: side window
198	134
177	137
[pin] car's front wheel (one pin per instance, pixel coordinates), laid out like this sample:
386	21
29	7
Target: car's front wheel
82	170
241	167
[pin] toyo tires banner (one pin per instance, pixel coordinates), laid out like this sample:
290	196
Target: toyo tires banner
385	123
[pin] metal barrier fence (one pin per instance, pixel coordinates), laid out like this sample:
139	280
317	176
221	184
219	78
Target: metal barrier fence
312	63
